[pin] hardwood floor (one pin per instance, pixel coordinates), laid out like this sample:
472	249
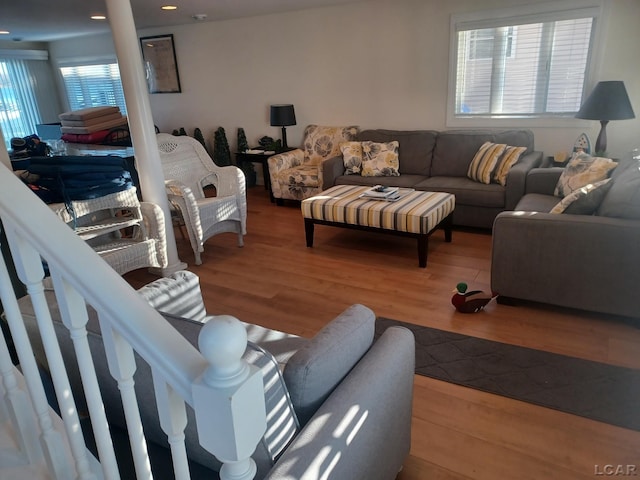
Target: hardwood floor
458	433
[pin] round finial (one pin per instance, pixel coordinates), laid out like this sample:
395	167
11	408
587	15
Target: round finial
222	341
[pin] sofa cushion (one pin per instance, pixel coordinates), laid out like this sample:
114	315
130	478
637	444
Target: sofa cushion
536	202
466	191
582	170
352	157
380	159
584	200
319	366
404	181
484	161
415	147
623	198
508	159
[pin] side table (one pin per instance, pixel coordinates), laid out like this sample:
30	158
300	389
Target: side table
262	158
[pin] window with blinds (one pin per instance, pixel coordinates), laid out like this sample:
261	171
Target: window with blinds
19	112
93	86
534	65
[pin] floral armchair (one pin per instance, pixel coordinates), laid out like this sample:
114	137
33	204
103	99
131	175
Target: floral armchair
297	174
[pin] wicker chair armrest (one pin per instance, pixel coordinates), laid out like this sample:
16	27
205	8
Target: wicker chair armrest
183	199
154	224
229	181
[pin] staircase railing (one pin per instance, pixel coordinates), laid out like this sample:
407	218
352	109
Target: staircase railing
39	242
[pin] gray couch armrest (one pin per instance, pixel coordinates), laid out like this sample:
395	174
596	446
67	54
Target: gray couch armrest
332	168
579	261
517	178
363	430
543	180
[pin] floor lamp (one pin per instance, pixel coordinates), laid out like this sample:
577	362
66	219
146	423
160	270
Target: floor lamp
608	101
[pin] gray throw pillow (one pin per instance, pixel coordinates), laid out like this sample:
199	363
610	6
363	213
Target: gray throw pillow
623	198
321	364
589	203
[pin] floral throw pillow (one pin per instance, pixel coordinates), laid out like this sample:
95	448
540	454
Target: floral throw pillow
352	156
582	170
380	159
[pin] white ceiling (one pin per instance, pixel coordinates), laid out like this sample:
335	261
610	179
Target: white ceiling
48	20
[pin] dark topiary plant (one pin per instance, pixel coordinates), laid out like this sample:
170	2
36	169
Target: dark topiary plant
221	152
243	145
197	134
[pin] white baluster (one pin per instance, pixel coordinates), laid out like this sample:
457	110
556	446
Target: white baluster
173	420
51	440
229	399
74	315
16	401
122	366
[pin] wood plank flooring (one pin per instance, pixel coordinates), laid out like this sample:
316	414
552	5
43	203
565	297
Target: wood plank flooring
458	433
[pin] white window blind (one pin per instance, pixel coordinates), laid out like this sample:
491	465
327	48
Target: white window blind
93	86
527	66
19	111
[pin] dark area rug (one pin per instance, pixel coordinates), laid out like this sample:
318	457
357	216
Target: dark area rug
594	390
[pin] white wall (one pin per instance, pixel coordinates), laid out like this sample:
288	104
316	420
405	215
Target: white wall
376	64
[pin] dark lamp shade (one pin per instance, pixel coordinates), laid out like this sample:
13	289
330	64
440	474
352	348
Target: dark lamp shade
608	101
282	115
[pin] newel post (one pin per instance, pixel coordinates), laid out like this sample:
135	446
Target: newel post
229	399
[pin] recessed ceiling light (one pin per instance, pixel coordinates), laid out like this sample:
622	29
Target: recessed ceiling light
98	17
169	7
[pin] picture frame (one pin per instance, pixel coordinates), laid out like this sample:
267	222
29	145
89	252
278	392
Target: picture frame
160	64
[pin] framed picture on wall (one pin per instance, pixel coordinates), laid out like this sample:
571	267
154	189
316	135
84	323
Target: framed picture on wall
160	64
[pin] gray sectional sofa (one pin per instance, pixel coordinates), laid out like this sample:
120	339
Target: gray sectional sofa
589	262
438	161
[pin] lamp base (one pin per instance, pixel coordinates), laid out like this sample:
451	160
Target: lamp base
601	141
284	138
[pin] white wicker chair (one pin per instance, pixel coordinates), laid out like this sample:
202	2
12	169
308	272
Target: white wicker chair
101	221
187	169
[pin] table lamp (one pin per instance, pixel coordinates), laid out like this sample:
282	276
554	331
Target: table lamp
283	116
608	101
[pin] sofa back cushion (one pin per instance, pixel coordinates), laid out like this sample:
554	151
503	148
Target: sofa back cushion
455	149
623	198
415	147
315	370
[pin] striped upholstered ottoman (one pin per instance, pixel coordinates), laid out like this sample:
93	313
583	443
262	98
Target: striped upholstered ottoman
415	214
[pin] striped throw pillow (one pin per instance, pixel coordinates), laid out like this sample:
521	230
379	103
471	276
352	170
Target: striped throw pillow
484	162
508	159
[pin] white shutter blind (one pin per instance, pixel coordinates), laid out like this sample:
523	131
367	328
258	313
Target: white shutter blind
520	69
93	86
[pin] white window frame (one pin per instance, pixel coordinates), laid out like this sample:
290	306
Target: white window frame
533	13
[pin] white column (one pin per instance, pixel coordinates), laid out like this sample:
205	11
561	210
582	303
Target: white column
141	124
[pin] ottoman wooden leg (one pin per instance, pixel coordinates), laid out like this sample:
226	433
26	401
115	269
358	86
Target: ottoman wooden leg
308	231
423	244
447	225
